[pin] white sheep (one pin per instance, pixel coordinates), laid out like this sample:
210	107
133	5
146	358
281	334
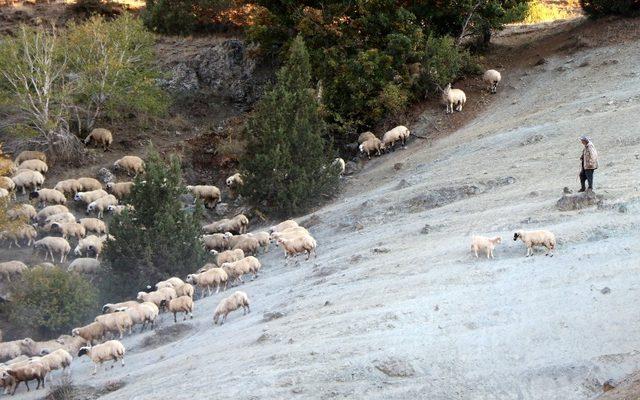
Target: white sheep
53	245
209	194
119	209
156	297
23	232
6	183
248	244
398	134
298	245
94	225
90	243
16	348
237	224
492	78
116	322
172	282
216	241
57	359
113	307
48	211
289	234
27	179
234	183
68	186
30	155
34	165
453	97
180	304
120	189
185	290
84	265
69	229
248	265
364	136
22	211
110	350
340	165
205	280
92	333
229	304
89	184
484	244
228	256
101	204
283	226
90	196
142	314
132	165
11	268
371	145
60	218
101	137
532	239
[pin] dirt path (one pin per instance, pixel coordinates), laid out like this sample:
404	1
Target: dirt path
395	306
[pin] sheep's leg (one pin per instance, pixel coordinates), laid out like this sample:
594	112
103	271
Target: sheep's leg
26	383
174	317
122	361
95	369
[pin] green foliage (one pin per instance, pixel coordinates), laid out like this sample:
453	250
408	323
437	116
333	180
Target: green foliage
600	8
361	50
182	16
156	240
286	167
538	11
50	301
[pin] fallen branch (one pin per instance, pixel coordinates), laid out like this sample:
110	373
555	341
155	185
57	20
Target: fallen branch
466	22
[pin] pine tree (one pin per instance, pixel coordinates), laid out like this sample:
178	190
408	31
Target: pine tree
287	163
158	238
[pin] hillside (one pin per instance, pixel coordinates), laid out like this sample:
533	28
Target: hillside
395	306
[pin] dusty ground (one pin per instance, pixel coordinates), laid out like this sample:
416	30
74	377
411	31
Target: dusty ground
395	306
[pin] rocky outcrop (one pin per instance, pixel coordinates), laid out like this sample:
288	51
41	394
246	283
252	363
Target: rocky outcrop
569	202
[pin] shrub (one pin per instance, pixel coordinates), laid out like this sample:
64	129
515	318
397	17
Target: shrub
157	239
182	17
286	164
538	11
50	301
600	8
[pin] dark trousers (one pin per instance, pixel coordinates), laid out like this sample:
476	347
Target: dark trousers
586	175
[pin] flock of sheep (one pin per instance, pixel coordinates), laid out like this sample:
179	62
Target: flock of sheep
233	248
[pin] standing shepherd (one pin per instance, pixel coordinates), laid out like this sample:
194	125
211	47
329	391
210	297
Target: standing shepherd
589	163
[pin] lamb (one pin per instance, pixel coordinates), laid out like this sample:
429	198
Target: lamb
49	211
180	304
25	373
120	189
298	245
229	304
73	229
398	134
6	183
372	145
34	165
100	136
185	290
364	136
93	225
229	256
142	313
492	78
9	269
84	265
340	165
119	209
53	245
248	244
283	226
22	211
209	278
453	97
536	238
481	243
111	307
91	196
132	165
27	179
115	322
23	232
209	194
89	243
110	350
216	241
92	333
102	204
30	155
89	184
68	186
